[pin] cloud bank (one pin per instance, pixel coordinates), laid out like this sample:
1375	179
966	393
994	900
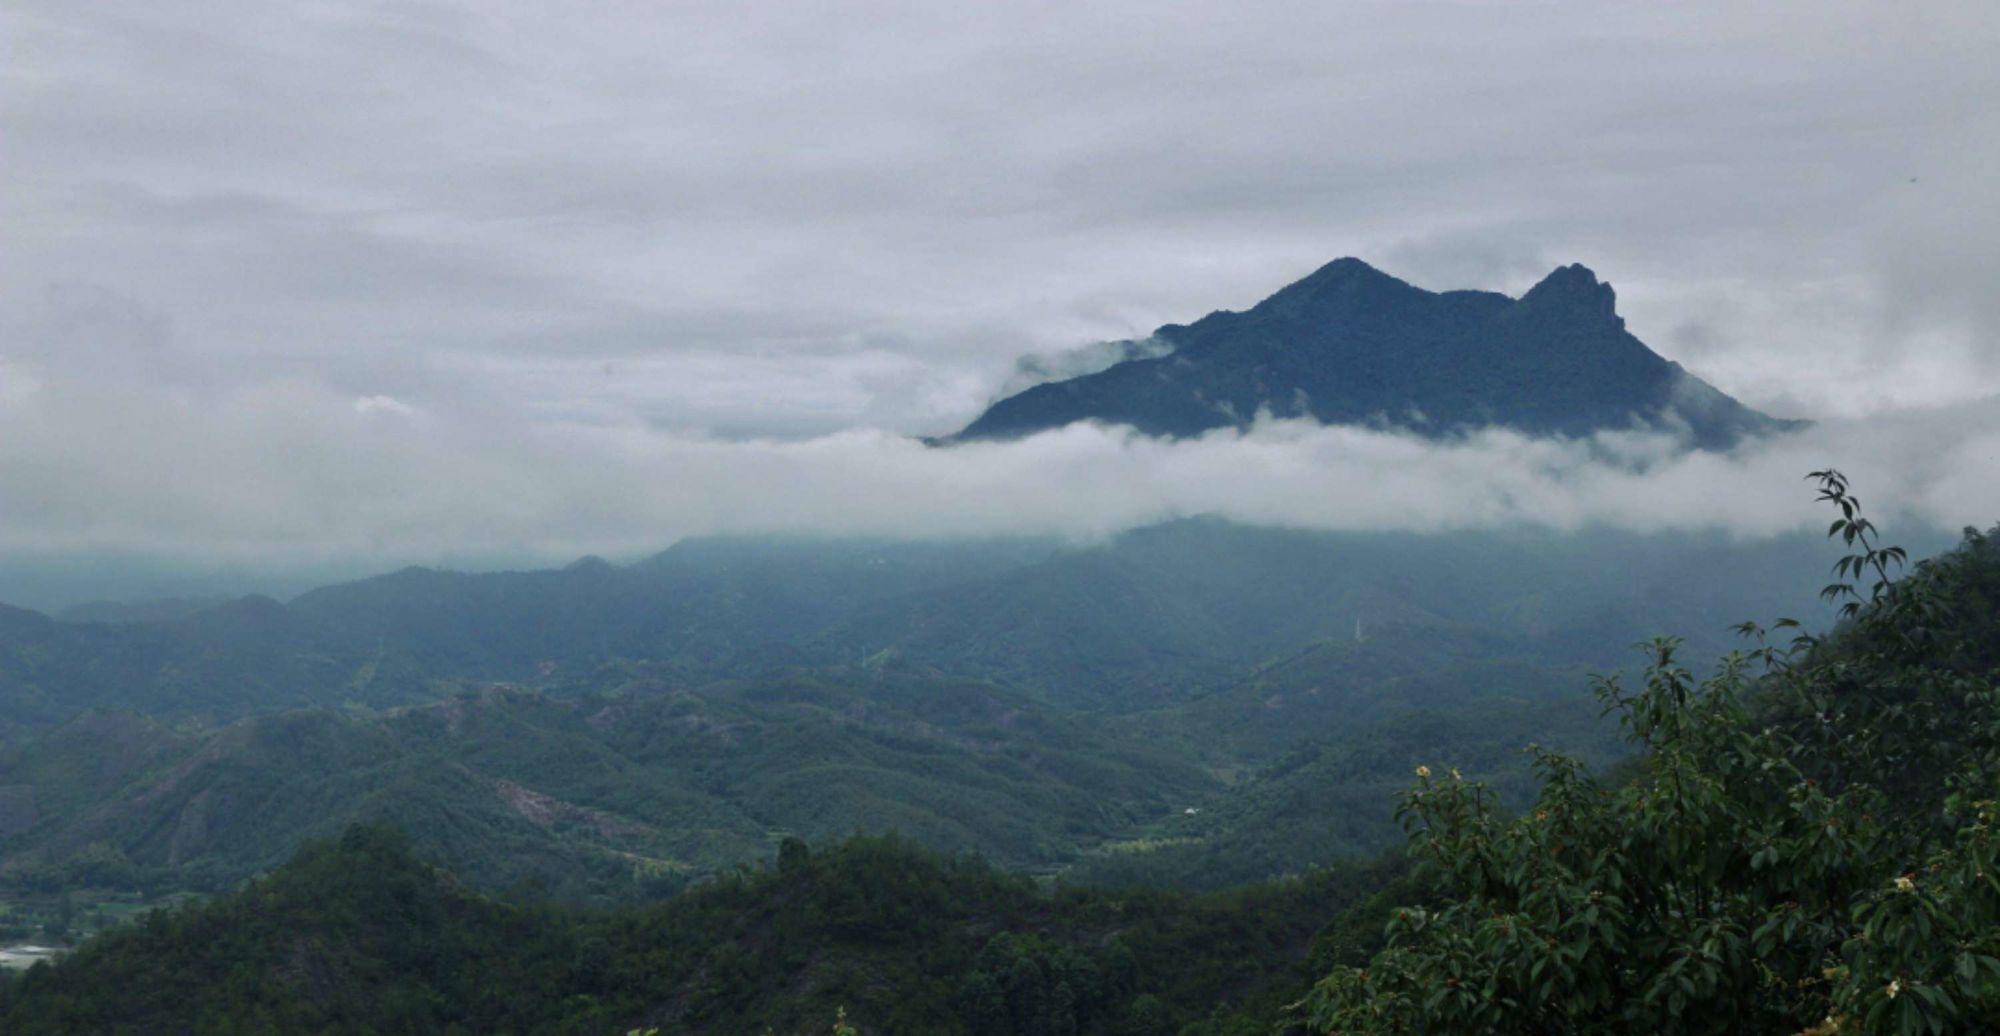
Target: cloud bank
285	470
444	278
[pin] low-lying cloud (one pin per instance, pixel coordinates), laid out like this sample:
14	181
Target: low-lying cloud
1039	368
286	471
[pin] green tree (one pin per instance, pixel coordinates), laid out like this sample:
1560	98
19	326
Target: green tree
793	855
1820	860
983	1005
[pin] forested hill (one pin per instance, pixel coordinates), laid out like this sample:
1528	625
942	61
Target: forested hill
1150	618
605	730
1350	344
357	936
1806	845
605	796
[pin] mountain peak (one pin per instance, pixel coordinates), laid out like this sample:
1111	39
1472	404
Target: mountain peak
1349	344
1345	267
1574	285
1345	274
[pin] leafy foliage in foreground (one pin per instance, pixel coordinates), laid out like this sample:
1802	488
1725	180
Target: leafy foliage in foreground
357	936
1825	864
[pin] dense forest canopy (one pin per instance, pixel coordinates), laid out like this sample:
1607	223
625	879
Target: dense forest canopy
355	935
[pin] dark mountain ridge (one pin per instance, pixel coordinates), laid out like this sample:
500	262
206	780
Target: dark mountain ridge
1140	621
1350	344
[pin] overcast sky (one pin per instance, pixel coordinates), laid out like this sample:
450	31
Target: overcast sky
383	278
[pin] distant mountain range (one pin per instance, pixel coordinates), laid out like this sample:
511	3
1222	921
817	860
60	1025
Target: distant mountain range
1145	620
602	727
1353	345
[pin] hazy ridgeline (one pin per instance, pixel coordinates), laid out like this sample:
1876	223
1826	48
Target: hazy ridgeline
609	729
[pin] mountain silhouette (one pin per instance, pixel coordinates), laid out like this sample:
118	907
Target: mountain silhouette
1350	344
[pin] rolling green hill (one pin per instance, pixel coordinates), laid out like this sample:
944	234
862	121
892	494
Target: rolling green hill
356	935
1149	618
1334	799
602	730
1825	813
605	794
1167	614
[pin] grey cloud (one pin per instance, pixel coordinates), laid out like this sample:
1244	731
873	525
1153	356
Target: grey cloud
687	232
1037	368
284	471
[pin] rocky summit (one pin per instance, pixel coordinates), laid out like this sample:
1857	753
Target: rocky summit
1350	344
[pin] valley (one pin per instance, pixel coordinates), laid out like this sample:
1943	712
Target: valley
607	732
642	854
